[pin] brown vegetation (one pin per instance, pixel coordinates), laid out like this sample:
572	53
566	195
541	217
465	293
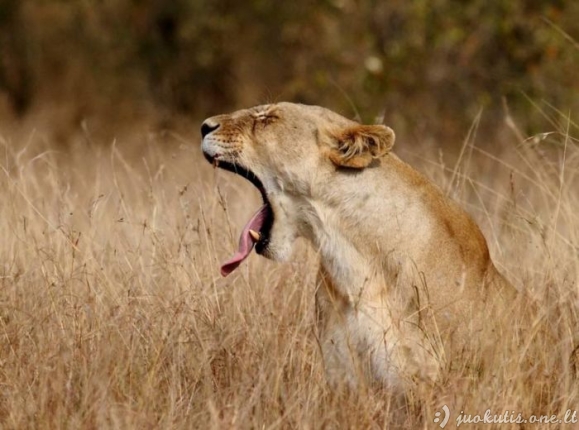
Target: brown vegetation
114	314
112	310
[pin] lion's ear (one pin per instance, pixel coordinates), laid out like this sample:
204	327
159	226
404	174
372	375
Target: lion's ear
357	146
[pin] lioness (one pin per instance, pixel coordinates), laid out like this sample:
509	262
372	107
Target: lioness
405	281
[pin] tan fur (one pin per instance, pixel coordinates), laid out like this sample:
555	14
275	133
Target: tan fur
406	282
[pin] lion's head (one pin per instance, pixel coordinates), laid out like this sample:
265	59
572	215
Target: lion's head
282	149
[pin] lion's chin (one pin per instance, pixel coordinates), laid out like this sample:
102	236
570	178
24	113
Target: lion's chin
280	242
280	255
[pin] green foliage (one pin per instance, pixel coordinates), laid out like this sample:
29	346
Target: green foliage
420	60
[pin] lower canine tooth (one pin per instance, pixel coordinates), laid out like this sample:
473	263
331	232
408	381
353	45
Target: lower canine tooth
255	235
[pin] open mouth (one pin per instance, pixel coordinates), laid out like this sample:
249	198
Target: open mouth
257	230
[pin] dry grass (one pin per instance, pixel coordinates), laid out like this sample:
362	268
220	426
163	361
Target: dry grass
113	313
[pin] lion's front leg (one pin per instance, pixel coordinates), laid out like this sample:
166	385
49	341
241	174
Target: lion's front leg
338	352
361	344
356	351
339	355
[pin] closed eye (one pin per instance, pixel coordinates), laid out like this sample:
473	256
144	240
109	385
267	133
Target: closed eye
268	119
264	119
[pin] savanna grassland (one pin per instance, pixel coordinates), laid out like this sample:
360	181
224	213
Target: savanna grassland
113	313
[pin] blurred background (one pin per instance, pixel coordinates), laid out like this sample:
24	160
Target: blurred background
431	69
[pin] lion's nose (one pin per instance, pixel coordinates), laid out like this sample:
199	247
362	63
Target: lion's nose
207	127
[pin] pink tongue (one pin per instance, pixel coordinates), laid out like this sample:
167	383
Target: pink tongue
246	242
